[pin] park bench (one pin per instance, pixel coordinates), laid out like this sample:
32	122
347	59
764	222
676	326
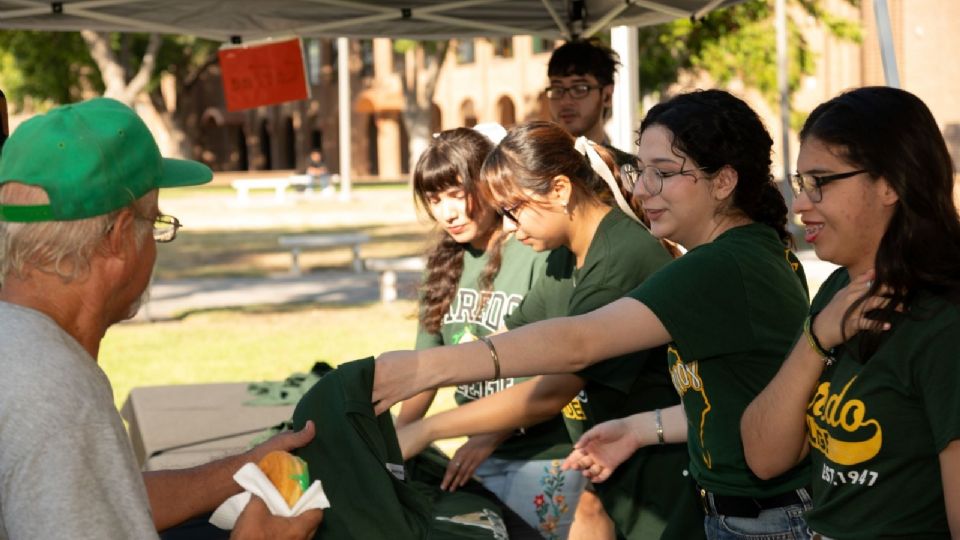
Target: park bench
299	242
304	182
243	187
388	269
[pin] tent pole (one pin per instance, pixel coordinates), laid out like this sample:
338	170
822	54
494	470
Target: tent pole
783	85
626	93
885	34
343	98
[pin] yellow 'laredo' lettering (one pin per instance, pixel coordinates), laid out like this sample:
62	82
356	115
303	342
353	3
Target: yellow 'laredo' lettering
850	415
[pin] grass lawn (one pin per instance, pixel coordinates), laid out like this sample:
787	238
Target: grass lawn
255	345
250	345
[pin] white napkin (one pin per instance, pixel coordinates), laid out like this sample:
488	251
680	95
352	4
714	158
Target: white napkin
254	481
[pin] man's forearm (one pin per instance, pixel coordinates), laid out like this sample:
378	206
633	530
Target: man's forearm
178	495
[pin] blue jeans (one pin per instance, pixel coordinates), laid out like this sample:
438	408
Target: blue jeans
542	494
784	523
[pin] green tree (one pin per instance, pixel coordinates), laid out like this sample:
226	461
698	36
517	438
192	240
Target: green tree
61	67
44	66
738	42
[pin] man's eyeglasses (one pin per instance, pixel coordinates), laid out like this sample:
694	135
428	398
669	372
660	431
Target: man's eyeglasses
651	177
577	91
812	184
165	228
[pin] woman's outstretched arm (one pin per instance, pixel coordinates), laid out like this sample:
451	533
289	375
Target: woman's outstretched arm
519	406
561	345
607	445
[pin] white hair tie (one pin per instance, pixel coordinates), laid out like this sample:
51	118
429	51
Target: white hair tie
491	130
585	147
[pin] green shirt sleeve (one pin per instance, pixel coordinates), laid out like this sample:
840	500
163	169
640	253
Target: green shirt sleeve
700	299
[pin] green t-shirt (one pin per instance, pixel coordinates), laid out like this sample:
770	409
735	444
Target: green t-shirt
622	254
877	428
647	497
520	268
732	307
357	457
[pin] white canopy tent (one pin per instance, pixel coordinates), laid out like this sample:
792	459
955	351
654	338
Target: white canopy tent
225	20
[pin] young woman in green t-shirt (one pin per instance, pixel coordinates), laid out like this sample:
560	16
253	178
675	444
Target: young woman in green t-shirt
476	275
728	309
870	390
600	252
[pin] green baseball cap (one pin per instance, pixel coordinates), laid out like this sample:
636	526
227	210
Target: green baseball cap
91	158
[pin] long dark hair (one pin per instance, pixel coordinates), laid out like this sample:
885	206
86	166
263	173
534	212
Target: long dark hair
717	129
892	134
453	159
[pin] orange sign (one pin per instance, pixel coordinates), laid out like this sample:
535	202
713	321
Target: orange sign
264	74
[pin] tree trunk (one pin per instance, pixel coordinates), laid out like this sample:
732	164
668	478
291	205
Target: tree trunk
114	72
419	81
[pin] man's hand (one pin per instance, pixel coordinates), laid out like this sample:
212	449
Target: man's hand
286	441
257	523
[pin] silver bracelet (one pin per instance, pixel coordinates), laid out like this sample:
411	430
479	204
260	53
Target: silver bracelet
493	354
659	421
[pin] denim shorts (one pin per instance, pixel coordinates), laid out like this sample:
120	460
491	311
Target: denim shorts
784	523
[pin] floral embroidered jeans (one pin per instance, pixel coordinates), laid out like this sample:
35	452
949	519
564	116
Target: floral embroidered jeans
539	491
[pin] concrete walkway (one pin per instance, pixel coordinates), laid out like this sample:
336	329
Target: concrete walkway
173	299
176	298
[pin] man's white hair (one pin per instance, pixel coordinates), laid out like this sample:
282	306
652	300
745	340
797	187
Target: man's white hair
63	248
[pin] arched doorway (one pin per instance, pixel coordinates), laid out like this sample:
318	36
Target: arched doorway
265	145
289	145
404	149
373	154
436	118
468	117
243	155
506	112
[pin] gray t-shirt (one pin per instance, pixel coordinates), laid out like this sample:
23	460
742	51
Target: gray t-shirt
66	466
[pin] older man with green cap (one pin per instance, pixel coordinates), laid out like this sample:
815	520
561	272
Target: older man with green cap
79	223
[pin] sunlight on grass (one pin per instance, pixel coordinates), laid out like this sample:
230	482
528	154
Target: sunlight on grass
230	346
238	346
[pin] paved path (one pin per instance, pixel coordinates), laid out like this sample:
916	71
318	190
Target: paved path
171	299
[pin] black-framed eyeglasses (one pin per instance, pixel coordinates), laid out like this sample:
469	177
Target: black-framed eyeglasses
577	91
651	176
165	228
812	184
510	213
